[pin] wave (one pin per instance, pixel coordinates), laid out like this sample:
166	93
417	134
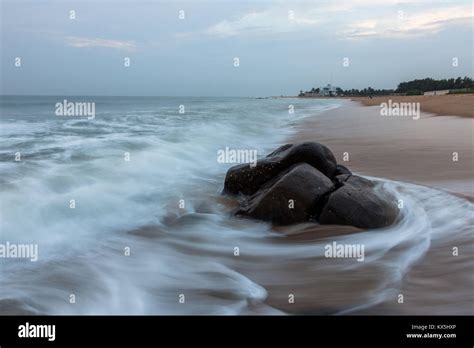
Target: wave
186	251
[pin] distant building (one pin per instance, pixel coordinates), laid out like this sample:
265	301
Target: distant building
439	92
328	91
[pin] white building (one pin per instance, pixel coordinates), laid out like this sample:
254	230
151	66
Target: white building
329	90
439	92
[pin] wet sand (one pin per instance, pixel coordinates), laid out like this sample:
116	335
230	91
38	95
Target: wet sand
420	152
398	148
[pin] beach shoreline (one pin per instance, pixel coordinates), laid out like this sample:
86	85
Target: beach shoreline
397	148
413	151
458	105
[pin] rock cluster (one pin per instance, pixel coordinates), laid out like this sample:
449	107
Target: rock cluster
303	182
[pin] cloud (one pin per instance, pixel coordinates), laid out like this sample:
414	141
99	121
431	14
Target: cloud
402	24
435	20
271	21
82	42
354	19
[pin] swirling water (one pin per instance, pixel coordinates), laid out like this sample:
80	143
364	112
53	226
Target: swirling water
128	247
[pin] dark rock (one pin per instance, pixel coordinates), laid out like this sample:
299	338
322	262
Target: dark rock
340	169
248	180
358	204
307	175
339	180
302	183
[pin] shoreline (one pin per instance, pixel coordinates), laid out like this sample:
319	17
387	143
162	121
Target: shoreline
431	151
458	105
418	152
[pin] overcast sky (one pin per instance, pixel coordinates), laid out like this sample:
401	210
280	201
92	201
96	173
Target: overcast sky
282	46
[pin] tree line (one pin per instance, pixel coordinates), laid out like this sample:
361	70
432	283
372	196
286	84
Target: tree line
414	87
429	84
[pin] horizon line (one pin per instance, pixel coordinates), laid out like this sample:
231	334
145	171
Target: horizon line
141	96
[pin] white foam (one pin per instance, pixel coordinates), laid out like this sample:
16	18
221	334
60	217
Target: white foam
172	157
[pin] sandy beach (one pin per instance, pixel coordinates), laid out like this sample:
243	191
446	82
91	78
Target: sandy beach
420	152
444	105
398	148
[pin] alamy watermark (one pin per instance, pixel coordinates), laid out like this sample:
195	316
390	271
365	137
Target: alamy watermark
77	109
19	251
345	251
28	330
404	109
229	155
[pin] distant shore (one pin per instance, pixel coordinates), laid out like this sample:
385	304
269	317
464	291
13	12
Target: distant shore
461	105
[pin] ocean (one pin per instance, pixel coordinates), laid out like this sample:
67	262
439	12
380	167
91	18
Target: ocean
126	211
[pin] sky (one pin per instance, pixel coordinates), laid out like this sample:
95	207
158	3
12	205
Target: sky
191	48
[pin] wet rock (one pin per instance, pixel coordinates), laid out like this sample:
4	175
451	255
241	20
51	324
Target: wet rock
303	182
247	179
340	169
357	203
291	197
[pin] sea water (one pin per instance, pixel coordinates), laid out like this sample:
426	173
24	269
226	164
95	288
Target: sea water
127	213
